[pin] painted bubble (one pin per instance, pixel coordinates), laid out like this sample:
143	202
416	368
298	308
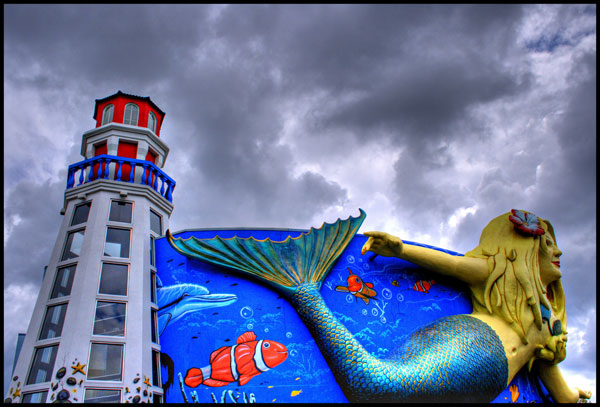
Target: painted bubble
246	312
350	259
386	293
350	298
366	266
293	352
375	312
250	326
364	311
382	319
400	297
288	335
266	329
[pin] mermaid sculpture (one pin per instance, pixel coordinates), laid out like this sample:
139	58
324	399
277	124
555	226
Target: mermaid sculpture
518	309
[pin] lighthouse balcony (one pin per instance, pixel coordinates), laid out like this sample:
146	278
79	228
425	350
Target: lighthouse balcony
109	167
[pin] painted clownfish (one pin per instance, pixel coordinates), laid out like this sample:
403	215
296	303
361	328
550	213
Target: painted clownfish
358	288
423	286
240	362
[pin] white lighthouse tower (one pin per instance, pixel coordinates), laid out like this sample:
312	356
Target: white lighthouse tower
93	333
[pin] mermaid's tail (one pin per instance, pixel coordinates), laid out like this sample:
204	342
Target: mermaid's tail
286	264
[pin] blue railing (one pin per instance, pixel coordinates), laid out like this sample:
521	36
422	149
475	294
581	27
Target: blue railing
99	168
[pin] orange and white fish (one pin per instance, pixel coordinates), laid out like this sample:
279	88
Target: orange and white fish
423	285
240	362
358	288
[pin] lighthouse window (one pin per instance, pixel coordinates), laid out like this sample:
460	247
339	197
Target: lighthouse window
113	279
120	211
80	215
155	368
107	116
155	224
34	398
53	322
43	363
117	243
63	282
154	326
106	362
110	319
131	114
102	396
73	245
152	122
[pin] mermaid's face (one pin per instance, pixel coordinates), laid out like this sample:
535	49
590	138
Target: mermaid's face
549	259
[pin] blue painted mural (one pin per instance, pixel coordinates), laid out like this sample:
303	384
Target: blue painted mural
226	337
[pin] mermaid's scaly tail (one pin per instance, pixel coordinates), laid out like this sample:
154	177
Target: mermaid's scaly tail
450	360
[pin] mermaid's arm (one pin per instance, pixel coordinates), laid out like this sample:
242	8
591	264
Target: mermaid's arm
555	383
471	270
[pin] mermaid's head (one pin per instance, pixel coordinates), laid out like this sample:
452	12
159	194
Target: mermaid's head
523	271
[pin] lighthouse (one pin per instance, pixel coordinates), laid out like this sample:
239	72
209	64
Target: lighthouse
93	333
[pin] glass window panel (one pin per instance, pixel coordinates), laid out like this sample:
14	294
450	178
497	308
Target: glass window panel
53	321
43	363
152	250
120	211
117	243
155	224
153	326
110	319
102	396
63	282
157	398
152	122
80	215
155	368
113	279
153	287
35	398
108	114
73	245
105	362
131	114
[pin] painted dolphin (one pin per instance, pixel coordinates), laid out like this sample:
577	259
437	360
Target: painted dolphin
176	301
455	358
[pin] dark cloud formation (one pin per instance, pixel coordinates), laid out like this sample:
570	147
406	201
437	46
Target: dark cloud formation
285	115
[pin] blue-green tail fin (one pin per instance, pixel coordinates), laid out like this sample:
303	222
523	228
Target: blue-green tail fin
285	264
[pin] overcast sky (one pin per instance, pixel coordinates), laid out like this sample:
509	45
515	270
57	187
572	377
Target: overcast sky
433	119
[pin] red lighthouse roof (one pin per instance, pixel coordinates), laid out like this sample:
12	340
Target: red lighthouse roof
142	111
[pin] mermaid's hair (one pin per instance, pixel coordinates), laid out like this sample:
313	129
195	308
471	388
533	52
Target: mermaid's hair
513	289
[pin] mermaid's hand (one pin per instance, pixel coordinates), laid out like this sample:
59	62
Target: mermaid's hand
584	394
382	243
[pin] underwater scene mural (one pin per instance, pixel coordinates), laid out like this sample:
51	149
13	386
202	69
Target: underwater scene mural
226	337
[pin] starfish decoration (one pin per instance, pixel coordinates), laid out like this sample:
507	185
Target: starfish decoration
17	393
78	368
147	381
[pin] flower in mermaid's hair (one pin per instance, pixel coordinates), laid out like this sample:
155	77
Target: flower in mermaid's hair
526	222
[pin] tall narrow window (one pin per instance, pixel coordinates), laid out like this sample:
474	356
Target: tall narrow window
53	322
73	245
107	116
110	319
113	279
152	122
63	282
131	114
120	211
154	326
152	250
153	287
102	396
155	223
155	368
106	362
117	242
80	215
43	363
